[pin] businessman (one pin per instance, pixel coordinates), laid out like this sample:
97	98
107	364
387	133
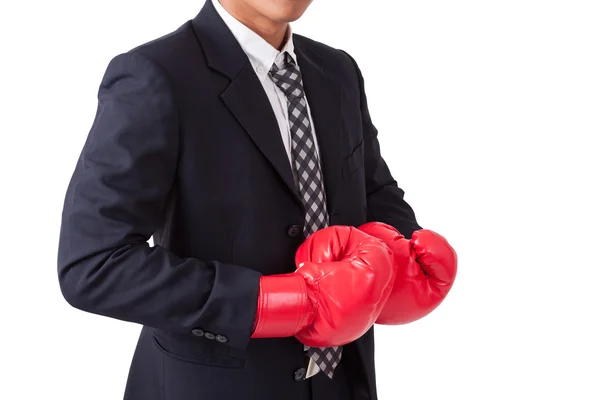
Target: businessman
280	237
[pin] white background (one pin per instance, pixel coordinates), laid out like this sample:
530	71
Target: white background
489	115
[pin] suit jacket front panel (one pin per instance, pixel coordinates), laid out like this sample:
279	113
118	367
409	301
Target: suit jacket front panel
224	170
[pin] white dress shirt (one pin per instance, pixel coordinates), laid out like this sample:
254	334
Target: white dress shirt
262	56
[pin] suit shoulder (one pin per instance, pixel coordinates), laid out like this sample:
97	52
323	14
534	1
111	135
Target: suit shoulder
170	55
148	60
336	62
327	53
161	47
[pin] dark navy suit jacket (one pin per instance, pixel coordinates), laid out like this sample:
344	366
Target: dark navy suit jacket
185	148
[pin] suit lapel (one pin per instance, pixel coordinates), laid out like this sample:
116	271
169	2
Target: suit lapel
324	99
244	96
247	101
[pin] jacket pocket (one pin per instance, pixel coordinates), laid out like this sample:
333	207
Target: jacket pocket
196	351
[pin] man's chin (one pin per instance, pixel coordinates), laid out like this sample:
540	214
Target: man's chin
288	18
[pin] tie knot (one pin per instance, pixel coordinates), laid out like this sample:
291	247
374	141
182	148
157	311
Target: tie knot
288	78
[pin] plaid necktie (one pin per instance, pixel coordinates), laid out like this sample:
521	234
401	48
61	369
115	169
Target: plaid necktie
308	175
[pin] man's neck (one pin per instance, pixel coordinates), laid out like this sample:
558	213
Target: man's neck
274	33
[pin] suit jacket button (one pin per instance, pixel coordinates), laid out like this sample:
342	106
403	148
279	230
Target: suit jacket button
209	336
294	231
197	332
221	338
299	374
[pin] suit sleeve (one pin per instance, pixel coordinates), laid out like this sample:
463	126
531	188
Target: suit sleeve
385	200
115	202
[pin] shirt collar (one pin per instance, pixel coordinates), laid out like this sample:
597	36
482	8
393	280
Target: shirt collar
260	53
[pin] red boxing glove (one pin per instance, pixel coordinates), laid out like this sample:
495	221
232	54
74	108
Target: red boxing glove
426	271
343	280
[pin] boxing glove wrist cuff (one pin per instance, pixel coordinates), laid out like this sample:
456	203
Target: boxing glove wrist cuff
283	306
